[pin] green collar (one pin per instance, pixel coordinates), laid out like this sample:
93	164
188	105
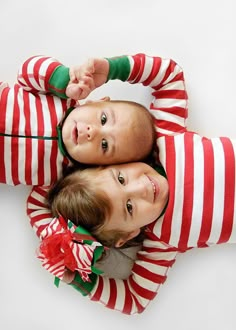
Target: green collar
61	145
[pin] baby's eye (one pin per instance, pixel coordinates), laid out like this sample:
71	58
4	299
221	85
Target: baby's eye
104	145
121	179
103	119
129	207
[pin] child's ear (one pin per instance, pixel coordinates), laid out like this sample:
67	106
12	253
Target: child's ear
122	241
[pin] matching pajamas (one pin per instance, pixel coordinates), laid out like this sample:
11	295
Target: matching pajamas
201	176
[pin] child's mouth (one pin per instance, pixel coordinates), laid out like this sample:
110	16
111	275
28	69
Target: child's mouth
155	188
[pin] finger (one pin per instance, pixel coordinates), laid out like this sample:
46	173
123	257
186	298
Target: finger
73	91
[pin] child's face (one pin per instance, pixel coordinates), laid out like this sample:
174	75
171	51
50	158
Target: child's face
107	133
138	195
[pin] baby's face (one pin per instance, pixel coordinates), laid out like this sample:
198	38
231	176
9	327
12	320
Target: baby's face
107	132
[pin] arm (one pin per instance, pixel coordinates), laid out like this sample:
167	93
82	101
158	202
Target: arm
128	296
148	274
44	74
164	76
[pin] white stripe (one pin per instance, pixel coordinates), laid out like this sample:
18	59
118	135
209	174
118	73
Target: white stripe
30	71
219	190
159	77
147	68
177	85
165	116
169	103
179	184
198	156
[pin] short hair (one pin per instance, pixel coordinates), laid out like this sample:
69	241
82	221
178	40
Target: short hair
77	199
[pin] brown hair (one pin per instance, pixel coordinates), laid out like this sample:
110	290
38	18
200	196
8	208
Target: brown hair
76	198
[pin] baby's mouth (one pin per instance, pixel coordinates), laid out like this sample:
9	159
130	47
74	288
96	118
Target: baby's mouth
75	135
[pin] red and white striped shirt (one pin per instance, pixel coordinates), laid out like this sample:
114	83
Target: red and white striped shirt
30	114
201	176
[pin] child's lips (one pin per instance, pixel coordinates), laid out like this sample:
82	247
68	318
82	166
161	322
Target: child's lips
155	188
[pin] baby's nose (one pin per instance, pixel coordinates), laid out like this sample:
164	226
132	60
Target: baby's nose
91	132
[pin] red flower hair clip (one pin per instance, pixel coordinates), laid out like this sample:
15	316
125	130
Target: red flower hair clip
65	246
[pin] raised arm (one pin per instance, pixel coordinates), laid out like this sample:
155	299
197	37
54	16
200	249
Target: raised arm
164	76
127	296
44	74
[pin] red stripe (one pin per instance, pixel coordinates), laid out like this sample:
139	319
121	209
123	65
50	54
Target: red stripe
14	141
171	173
154	71
229	201
170	94
50	70
156	278
3	103
188	191
142	292
128	302
137	70
41	143
181	112
36	68
28	142
168	125
112	299
169	71
99	290
164	263
208	193
25	74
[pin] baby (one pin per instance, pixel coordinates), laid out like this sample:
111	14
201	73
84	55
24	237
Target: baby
42	130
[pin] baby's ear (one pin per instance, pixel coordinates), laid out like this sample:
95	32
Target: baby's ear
103	99
123	240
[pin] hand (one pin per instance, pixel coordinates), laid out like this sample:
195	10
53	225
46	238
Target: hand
68	276
86	77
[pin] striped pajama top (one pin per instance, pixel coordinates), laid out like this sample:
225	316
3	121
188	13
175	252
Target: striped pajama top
30	112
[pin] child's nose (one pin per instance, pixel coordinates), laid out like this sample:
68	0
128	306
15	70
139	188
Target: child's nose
138	189
91	132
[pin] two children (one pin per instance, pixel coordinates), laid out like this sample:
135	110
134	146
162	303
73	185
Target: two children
42	130
170	102
189	204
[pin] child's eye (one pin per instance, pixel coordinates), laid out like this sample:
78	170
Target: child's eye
129	207
103	119
104	145
121	179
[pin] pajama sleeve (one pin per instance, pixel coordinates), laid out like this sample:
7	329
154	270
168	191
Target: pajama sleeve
166	80
44	74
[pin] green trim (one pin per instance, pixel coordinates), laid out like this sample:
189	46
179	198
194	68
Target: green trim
59	81
30	136
119	68
84	287
61	145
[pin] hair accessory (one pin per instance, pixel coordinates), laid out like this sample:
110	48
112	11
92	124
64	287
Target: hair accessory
65	246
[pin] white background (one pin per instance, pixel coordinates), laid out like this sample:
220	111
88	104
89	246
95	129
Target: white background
200	292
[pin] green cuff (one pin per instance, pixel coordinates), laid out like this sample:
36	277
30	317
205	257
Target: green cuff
119	68
59	81
84	287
